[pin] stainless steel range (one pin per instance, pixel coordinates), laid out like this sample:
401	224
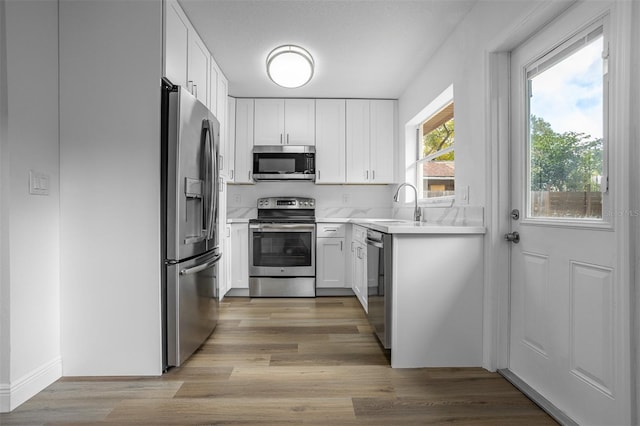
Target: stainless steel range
282	251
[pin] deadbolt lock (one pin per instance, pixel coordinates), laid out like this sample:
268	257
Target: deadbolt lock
515	214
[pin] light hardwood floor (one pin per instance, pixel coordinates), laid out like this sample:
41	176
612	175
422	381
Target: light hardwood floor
281	362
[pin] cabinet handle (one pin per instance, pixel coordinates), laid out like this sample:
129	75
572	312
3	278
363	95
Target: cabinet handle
351	245
318	173
195	89
231	174
249	174
373	175
340	245
287	138
280	138
367	175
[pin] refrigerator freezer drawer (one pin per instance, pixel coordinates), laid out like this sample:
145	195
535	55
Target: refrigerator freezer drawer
192	305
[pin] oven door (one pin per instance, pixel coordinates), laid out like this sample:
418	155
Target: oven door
282	250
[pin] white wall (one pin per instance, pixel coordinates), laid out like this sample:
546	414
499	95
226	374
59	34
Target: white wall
110	70
29	224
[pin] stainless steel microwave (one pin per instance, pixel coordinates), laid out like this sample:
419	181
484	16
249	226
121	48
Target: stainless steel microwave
287	162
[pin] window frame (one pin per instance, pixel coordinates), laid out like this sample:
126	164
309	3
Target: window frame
435	107
535	67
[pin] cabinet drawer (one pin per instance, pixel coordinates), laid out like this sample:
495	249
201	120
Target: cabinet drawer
328	230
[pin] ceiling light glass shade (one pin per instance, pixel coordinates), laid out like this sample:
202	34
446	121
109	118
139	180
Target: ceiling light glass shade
290	66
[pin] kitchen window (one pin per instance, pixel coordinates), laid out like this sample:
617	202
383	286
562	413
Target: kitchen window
435	152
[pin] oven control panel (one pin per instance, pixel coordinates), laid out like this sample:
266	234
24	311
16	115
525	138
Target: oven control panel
286	203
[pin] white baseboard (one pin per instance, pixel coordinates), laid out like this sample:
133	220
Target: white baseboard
15	393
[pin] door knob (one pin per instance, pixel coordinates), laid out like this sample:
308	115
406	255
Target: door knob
513	237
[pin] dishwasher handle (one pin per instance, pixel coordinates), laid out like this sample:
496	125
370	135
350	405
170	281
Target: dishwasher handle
375	243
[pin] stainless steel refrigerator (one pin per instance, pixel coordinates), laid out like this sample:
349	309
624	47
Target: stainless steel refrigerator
190	146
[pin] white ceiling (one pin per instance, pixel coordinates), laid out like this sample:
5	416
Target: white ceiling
362	48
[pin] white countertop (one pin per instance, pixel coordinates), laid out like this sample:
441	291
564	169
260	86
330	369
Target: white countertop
398	226
238	220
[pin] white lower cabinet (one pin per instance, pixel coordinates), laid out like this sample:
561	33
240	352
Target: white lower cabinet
239	255
359	264
330	256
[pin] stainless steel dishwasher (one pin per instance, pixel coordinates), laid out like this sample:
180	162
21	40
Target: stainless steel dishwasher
379	285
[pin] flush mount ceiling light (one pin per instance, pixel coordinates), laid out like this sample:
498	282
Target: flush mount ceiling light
290	66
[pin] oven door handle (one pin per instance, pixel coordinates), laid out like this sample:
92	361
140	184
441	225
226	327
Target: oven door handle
296	226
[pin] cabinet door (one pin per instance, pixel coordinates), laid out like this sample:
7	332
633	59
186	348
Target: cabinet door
299	121
213	86
358	134
198	68
244	141
223	271
360	274
269	122
231	139
227	260
330	141
221	102
176	44
330	264
382	141
240	255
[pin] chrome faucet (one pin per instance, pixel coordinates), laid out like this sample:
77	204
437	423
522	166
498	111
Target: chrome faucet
416	212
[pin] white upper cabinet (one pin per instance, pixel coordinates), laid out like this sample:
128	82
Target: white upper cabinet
300	121
330	141
269	122
244	141
382	136
213	86
176	42
231	139
370	141
284	122
221	107
358	131
198	70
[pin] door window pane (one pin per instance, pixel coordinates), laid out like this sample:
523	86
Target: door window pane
566	121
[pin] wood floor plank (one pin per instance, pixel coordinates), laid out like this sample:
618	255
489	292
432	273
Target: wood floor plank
286	362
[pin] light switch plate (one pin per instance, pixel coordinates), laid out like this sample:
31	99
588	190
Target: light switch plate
464	195
38	183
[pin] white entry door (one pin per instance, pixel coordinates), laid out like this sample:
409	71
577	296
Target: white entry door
568	340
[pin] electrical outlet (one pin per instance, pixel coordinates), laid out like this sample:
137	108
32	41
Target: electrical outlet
346	198
237	199
38	183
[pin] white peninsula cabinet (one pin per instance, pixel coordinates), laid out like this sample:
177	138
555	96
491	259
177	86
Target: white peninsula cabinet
370	142
330	141
437	300
284	122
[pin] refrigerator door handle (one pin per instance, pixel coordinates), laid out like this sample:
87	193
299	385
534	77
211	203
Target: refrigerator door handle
208	178
196	269
213	202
